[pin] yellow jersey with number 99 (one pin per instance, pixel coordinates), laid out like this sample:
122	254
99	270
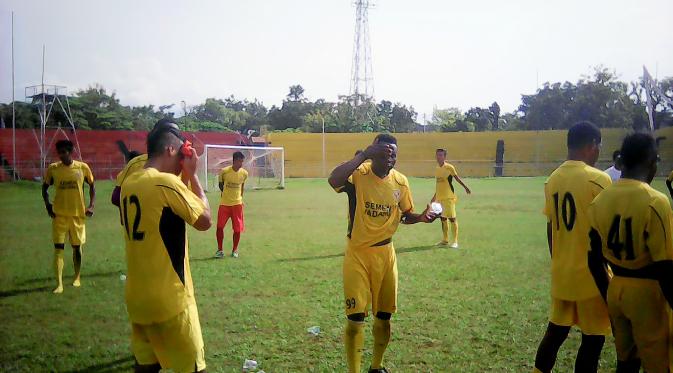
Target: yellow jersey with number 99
375	206
636	233
155	206
568	192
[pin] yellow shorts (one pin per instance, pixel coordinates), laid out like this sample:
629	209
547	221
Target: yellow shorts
70	226
448	208
640	319
175	344
590	315
370	279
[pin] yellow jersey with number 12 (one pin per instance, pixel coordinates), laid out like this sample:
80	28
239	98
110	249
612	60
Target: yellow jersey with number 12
444	175
568	192
155	206
375	205
68	181
232	189
636	233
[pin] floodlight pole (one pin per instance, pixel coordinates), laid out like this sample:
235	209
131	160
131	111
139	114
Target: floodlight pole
323	144
14	173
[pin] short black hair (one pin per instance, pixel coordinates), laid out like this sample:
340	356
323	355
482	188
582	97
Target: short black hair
65	145
385	138
615	155
441	150
582	134
238	155
638	149
161	136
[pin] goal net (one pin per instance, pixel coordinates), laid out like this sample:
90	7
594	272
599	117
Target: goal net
265	165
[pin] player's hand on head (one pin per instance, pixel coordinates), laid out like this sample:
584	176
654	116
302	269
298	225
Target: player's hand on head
190	163
378	150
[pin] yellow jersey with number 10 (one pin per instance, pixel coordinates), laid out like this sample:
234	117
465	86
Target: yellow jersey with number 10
155	206
232	189
375	205
636	233
568	192
444	175
68	181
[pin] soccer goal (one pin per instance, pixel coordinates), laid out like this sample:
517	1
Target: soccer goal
265	165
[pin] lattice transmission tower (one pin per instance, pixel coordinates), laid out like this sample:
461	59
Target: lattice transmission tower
362	80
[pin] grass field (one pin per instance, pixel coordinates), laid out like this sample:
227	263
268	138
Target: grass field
480	308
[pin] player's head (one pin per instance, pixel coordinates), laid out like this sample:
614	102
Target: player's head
386	162
584	142
440	155
615	159
638	157
163	145
237	160
64	150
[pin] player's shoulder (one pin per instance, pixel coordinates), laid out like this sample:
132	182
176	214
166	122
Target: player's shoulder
226	170
598	177
399	177
80	164
448	166
138	160
55	165
658	200
364	169
244	171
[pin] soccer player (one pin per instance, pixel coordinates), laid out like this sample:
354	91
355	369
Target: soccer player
155	205
68	212
379	198
446	196
575	298
634	238
232	185
614	171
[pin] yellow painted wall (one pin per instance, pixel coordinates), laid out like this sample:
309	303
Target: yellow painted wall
527	153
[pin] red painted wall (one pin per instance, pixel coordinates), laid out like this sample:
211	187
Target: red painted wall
98	148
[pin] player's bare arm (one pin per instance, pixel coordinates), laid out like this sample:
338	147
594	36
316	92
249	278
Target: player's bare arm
341	173
45	197
669	185
467	190
115	199
597	264
242	189
664	274
426	216
92	198
221	186
549	235
189	168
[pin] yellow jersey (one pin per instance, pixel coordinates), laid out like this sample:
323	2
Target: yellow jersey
68	181
135	164
375	205
232	190
444	186
568	192
155	207
636	233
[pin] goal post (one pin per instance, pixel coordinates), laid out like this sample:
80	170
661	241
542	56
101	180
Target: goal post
265	165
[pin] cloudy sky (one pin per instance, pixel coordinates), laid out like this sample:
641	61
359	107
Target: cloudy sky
426	53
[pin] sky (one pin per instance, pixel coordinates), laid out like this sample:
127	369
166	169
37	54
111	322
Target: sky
425	53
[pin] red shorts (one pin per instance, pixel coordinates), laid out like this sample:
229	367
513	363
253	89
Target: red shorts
236	215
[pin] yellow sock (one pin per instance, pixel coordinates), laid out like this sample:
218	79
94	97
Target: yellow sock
77	263
58	268
445	230
354	339
454	231
381	332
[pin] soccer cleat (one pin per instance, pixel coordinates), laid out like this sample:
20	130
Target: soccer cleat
454	245
443	243
219	254
76	283
59	289
234	254
379	370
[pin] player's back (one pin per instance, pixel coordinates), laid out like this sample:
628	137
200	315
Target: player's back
632	219
159	283
568	192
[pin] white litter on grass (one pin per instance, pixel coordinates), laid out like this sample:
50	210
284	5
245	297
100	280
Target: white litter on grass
122	277
249	365
314	330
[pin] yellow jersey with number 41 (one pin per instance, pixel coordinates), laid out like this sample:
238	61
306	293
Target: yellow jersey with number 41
155	208
68	181
232	188
568	193
634	223
375	206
